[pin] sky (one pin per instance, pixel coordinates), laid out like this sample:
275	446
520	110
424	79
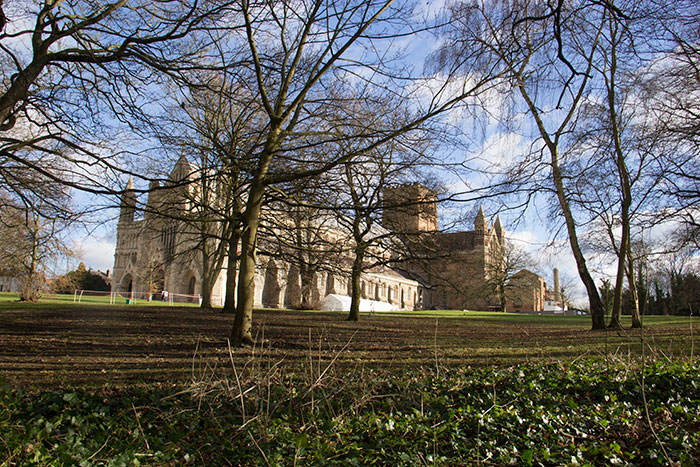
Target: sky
96	248
496	145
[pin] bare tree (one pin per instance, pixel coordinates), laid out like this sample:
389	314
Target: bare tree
627	157
67	64
671	97
548	51
563	61
217	124
300	230
301	56
364	183
503	269
33	234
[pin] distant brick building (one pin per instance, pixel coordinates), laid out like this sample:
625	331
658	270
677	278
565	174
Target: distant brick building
526	291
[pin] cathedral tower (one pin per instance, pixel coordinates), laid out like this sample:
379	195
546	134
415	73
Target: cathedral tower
498	229
410	208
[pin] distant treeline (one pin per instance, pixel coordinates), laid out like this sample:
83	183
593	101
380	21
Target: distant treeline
81	279
678	294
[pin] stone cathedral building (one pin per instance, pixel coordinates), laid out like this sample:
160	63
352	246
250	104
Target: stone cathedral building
156	254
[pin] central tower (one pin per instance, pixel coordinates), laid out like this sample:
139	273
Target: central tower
410	208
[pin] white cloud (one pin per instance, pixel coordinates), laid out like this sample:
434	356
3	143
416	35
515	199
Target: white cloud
501	149
97	252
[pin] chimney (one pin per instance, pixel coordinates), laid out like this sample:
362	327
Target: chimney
556	284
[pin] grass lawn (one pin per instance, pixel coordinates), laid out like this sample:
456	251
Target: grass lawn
9	299
94	383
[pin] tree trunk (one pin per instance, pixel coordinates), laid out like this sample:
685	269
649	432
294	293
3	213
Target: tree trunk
241	333
615	316
636	316
30	289
19	88
642	293
502	296
307	276
355	281
596	305
206	277
206	295
230	301
625	186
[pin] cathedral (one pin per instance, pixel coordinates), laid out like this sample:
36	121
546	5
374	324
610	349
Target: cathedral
158	257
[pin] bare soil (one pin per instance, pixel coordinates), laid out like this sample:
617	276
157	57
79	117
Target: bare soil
93	345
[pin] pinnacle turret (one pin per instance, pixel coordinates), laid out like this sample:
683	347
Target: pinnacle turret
498	228
127	206
481	225
182	169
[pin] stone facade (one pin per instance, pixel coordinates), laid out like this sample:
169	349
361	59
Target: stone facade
10	284
156	253
444	271
454	268
526	291
466	261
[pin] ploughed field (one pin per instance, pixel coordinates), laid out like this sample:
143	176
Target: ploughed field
64	345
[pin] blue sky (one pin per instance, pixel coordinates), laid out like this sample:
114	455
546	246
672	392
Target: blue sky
491	143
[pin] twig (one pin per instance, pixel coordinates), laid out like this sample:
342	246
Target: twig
259	449
138	422
437	368
584	354
311	372
238	380
607	361
195	355
9	451
646	405
311	359
330	364
250	420
692	342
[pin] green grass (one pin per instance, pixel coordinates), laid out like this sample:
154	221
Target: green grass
12	300
541	319
496	318
47	300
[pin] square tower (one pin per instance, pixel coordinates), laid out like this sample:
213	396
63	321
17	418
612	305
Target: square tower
410	208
